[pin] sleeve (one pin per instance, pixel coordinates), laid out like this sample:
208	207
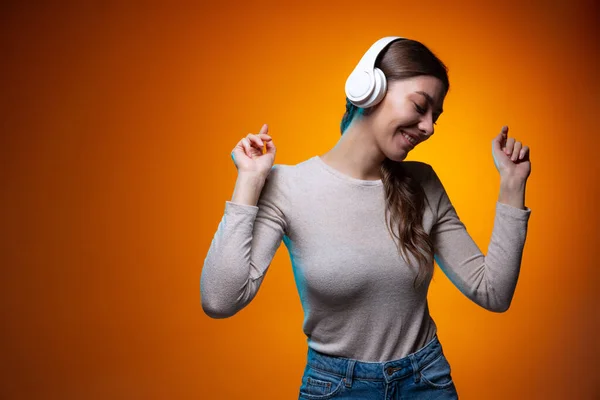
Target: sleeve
489	280
242	249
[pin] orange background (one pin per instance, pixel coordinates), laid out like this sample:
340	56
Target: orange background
118	120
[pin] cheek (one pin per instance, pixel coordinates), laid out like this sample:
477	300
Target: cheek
386	133
408	120
392	140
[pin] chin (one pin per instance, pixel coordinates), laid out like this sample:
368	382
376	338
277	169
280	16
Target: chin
397	156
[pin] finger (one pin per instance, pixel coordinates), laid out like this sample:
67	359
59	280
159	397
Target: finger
239	146
246	144
516	149
510	143
271	149
524	151
255	140
504	134
265	137
500	140
264	129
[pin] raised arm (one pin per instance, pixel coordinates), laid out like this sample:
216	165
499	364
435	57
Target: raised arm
489	280
248	235
242	249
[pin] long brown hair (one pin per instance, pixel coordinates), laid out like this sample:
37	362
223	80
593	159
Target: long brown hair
405	197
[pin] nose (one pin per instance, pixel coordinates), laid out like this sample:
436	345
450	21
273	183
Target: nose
426	125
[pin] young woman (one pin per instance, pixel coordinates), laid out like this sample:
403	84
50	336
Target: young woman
363	228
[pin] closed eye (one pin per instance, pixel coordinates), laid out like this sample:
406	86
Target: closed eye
421	111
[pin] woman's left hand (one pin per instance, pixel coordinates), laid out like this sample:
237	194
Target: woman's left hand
510	157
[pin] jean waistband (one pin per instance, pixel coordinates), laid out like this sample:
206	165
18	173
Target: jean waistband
347	367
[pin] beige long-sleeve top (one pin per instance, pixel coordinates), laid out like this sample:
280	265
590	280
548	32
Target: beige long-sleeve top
356	291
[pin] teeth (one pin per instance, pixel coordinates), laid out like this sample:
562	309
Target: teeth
409	138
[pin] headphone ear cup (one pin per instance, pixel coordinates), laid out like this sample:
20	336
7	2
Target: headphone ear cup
379	89
359	85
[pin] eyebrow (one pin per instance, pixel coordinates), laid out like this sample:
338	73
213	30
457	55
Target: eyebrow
429	99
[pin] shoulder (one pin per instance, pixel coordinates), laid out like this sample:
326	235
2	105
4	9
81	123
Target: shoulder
418	170
425	174
280	173
279	182
283	174
282	185
277	178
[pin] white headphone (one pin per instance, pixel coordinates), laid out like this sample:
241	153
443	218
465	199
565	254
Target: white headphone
366	86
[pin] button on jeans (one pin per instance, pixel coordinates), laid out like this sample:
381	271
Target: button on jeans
423	375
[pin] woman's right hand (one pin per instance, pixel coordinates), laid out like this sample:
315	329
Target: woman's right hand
248	154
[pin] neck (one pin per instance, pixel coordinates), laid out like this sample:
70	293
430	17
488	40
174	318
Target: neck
356	153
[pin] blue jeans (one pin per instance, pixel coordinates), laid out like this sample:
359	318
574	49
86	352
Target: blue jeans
423	375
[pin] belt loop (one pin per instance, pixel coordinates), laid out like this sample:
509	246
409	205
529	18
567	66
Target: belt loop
350	372
415	366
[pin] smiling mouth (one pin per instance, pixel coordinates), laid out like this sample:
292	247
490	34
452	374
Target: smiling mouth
409	138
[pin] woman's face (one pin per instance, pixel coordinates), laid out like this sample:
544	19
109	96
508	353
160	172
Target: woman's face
410	108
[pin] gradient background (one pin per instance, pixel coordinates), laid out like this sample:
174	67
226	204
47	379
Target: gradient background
118	119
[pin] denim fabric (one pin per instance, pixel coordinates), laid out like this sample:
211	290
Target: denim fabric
422	375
